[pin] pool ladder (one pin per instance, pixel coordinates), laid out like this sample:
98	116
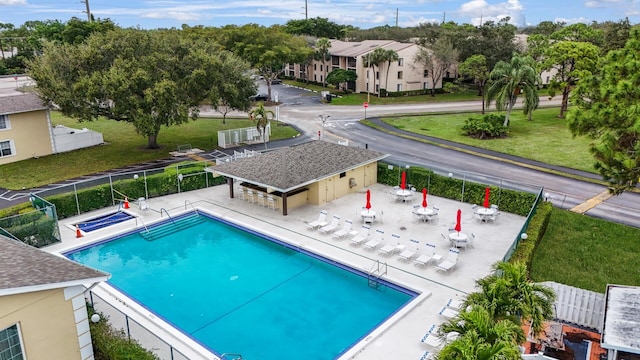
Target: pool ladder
377	270
233	356
166	212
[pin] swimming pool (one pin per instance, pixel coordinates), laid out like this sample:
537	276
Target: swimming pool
103	221
233	290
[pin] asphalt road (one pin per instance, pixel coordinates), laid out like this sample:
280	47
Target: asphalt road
303	109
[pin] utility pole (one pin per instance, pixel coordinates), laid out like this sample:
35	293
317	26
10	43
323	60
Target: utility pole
396	17
444	17
86	2
306	10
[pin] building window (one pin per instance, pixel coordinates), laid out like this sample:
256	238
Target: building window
400	61
377	75
377	88
367	74
399	87
315	66
321	67
10	344
6	149
425	85
4	122
399	75
425	73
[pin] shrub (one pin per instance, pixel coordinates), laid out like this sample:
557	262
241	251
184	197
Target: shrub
535	231
111	344
488	127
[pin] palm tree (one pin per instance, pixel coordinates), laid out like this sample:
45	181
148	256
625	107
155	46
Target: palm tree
389	56
473	347
322	53
261	116
373	59
509	294
508	79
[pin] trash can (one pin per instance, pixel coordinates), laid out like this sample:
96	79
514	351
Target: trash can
328	98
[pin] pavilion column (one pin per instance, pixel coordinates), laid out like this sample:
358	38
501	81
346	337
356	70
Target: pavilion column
284	204
230	182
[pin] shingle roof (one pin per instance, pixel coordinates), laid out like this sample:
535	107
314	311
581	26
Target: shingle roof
290	168
354	49
23	266
20	103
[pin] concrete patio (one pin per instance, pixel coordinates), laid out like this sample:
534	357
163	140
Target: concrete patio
399	337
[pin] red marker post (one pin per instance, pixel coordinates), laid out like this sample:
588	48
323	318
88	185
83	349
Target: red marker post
366	105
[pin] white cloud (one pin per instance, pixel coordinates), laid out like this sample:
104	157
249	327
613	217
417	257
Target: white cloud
601	3
175	15
12	2
413	21
570	21
481	11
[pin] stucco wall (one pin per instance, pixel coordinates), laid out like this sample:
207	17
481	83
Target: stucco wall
335	187
47	323
31	135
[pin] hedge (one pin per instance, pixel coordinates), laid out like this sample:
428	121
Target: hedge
516	202
535	232
111	344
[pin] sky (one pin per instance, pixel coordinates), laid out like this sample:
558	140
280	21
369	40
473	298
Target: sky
364	14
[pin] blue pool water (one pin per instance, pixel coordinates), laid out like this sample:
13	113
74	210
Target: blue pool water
104	221
237	292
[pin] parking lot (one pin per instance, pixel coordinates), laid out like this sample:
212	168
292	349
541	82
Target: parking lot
289	95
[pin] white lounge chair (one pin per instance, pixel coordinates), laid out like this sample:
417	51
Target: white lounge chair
448	312
377	240
362	235
427	256
409	253
346	230
455	304
392	247
432	339
333	226
320	222
450	261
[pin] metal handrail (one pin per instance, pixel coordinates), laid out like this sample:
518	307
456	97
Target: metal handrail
187	202
165	210
143	224
9	234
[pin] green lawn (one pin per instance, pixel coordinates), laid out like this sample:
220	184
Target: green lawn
123	147
586	252
546	138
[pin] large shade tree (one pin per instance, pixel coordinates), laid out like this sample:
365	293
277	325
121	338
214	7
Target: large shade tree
437	59
606	109
476	68
267	49
148	78
509	79
571	61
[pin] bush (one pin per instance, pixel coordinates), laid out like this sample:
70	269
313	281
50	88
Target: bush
488	127
111	344
535	231
516	202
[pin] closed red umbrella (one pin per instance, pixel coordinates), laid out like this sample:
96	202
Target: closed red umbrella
486	197
424	197
458	228
403	183
368	206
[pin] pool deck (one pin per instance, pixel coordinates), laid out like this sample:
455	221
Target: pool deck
399	337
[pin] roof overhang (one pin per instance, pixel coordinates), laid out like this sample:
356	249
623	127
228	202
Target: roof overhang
51	286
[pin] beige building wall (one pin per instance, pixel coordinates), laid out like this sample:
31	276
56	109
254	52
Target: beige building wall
335	187
47	323
31	136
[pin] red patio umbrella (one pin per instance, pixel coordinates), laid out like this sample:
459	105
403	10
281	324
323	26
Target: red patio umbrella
368	206
403	182
458	220
486	197
424	197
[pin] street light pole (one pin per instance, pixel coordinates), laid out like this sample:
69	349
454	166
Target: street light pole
324	120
